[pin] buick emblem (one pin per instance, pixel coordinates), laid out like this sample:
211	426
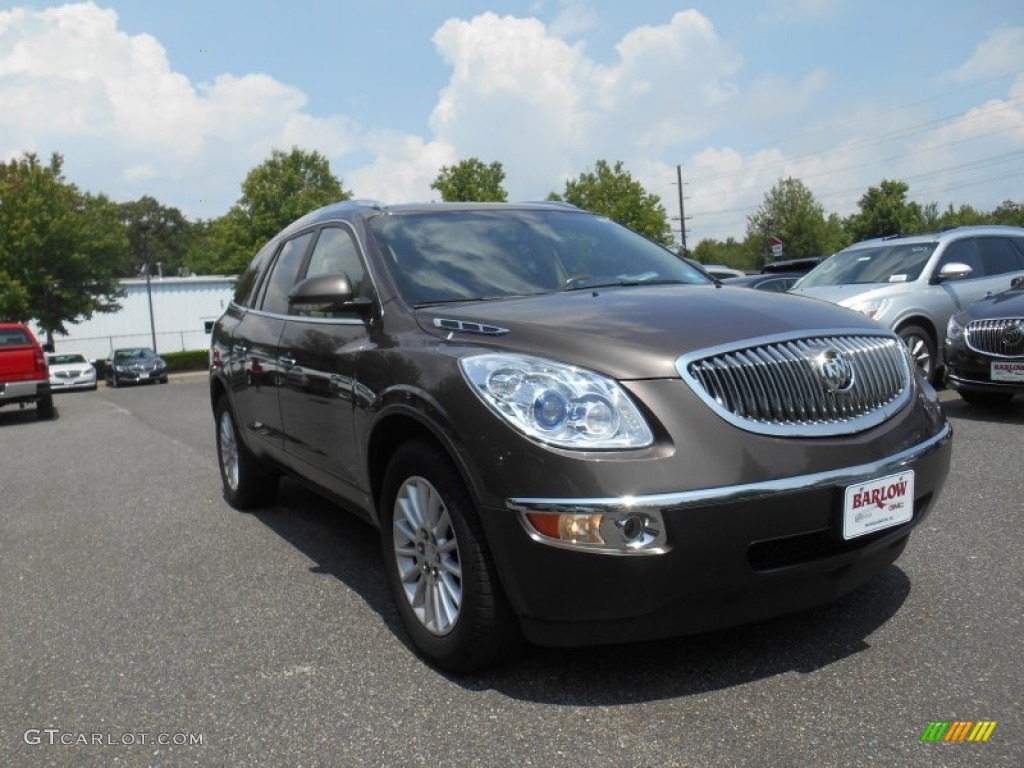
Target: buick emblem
1013	333
834	369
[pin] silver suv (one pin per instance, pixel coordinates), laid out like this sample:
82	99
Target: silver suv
913	284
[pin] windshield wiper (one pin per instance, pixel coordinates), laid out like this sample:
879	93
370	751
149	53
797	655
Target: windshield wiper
465	299
582	283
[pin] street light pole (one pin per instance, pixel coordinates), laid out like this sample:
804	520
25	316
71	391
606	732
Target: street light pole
144	226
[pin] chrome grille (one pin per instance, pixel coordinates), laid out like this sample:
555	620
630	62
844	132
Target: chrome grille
1003	337
780	385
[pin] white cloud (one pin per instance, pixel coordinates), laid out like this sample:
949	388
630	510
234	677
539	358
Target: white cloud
1001	53
523	96
519	92
129	125
573	19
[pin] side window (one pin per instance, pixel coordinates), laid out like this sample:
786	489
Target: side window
963	252
245	287
336	252
998	256
283	274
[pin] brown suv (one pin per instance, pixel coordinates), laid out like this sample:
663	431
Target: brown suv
24	375
563	431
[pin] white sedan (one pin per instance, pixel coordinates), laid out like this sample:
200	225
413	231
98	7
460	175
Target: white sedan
70	371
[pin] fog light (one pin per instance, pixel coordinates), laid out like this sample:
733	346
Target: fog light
577	529
632	527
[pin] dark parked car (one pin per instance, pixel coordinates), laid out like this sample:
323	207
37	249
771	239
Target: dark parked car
985	349
134	365
776	282
779	276
564	431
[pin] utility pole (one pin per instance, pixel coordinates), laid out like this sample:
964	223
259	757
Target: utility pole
144	226
682	211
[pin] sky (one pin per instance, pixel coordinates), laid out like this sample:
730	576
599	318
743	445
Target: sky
180	99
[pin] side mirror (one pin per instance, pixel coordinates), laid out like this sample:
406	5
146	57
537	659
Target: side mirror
48	348
955	270
327	294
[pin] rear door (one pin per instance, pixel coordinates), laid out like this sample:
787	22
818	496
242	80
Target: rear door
254	350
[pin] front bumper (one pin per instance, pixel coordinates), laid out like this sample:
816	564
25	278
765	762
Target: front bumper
139	377
733	555
78	382
967	369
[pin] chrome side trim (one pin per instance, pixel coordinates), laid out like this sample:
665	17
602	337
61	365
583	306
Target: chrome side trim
736	493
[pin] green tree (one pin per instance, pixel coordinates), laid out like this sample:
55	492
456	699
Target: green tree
157	233
1008	212
283	188
471	181
59	248
731	253
790	213
611	191
884	210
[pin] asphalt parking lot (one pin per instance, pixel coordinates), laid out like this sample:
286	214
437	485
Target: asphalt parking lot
145	622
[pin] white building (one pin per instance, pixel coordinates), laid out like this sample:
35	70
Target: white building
184	310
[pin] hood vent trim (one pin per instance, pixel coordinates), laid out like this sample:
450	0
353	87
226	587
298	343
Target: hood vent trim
466	326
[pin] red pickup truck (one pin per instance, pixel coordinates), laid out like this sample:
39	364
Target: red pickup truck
24	376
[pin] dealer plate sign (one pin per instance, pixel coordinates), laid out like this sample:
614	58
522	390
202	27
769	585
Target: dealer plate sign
878	504
1008	372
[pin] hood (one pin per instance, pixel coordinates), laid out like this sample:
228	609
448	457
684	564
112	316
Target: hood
632	332
850	291
1007	304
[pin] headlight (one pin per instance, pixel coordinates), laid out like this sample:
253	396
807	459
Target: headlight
954	330
873	308
557	404
121	368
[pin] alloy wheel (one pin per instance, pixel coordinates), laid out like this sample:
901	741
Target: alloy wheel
427	555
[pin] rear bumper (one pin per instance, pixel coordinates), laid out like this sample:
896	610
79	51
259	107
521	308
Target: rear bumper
733	555
23	391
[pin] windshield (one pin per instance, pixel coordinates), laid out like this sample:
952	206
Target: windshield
493	254
128	354
65	359
892	263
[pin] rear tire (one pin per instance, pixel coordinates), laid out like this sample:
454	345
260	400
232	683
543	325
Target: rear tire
248	482
44	408
986	399
438	566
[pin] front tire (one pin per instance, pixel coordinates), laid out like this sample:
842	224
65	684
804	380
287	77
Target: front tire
440	571
247	481
922	349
